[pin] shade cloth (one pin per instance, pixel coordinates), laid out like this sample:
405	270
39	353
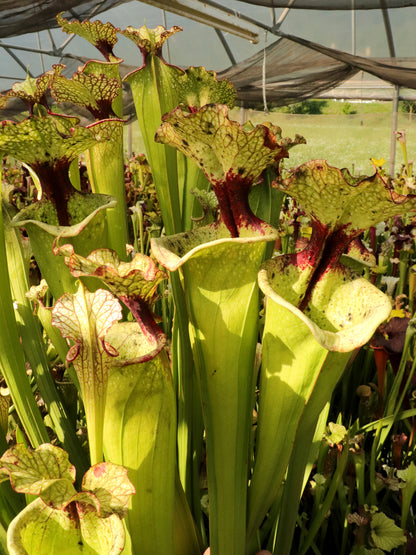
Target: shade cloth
25	16
332	4
293	69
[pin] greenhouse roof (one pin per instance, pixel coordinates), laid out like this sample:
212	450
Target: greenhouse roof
282	67
333	4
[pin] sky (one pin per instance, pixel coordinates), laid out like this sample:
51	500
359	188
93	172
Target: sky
198	44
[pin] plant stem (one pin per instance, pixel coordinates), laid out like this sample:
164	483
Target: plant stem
12	360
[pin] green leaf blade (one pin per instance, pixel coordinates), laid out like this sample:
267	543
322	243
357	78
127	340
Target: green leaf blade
32	472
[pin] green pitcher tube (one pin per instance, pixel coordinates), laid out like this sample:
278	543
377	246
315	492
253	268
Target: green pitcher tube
219	278
344	313
140	434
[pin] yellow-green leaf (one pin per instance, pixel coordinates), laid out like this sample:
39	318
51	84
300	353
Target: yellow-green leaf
95	91
385	534
150	40
219	145
34	471
200	87
41	529
138	278
102	35
336	199
110	484
32	90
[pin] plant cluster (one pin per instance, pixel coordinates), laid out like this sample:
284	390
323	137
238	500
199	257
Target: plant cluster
222	347
313	106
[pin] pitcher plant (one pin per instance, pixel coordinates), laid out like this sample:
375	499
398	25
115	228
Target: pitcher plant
205	388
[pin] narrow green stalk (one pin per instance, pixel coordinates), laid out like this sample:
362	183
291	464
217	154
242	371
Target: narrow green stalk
408	491
344	511
359	464
154	94
401	137
303	530
403	272
141	232
186	539
316	443
389	420
34	347
372	494
274	515
326	504
197	446
189	421
12	360
11	502
412	288
192	178
266	203
397	392
265	200
3	542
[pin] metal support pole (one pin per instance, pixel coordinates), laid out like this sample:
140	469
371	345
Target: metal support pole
16	59
396	95
393	130
226	46
277	24
353	35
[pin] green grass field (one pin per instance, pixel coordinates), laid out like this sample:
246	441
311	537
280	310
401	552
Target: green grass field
343	140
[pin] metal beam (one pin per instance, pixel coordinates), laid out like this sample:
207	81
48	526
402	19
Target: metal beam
30	49
277	24
16	59
239	15
205	13
392	51
387	26
226	46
